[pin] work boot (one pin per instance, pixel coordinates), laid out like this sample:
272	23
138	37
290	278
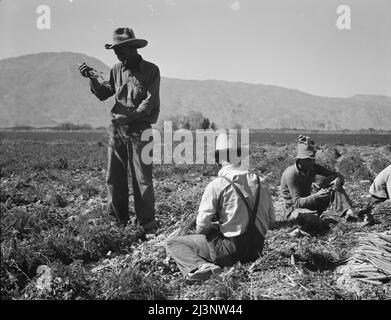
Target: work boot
297	233
151	227
203	272
123	223
351	216
369	220
363	212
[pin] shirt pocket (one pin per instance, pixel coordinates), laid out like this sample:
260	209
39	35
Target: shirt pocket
122	94
138	91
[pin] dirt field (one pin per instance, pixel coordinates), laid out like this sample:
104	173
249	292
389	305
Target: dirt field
53	199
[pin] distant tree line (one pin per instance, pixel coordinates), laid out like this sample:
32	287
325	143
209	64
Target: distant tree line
192	120
68	126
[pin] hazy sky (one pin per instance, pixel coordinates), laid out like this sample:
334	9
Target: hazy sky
290	43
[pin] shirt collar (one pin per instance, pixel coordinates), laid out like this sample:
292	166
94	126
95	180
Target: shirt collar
231	167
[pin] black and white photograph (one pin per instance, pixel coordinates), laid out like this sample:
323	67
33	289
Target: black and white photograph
195	155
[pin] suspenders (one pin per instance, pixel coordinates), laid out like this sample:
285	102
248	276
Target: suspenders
252	212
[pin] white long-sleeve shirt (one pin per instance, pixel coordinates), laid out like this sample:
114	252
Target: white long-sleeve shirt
233	215
381	186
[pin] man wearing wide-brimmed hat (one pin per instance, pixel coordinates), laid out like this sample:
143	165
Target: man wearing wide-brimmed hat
297	181
135	83
234	215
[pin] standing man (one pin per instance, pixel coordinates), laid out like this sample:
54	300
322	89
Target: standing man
233	218
297	180
135	83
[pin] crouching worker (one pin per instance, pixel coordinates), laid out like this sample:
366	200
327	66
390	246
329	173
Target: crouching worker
296	187
380	189
234	215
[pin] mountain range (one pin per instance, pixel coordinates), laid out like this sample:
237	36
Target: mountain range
46	89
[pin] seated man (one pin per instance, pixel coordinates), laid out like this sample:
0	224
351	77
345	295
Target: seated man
380	189
297	180
234	215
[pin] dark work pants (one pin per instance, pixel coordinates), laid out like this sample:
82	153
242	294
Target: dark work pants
192	251
125	152
189	252
338	199
376	200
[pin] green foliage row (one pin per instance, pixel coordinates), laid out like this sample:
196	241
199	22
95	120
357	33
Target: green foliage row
353	167
29	157
46	220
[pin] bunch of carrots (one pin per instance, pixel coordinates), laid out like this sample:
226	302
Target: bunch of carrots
371	260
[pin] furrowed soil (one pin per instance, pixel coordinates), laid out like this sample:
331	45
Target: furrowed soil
53	213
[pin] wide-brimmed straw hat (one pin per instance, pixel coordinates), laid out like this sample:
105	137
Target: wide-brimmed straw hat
227	145
123	37
306	148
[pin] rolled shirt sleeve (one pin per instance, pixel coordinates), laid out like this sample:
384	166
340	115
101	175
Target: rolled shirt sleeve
105	89
208	207
152	100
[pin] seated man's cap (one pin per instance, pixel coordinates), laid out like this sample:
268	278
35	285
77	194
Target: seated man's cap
306	148
228	145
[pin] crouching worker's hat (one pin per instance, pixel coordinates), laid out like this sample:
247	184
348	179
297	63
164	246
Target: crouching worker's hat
306	148
125	37
227	149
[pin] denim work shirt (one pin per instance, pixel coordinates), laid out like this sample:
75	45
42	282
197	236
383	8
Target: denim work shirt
232	212
135	90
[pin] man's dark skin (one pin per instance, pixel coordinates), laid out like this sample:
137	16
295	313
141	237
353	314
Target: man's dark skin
130	58
306	165
134	84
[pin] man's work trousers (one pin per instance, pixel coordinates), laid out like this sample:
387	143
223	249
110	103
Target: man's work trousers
192	251
125	152
376	200
338	199
189	252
